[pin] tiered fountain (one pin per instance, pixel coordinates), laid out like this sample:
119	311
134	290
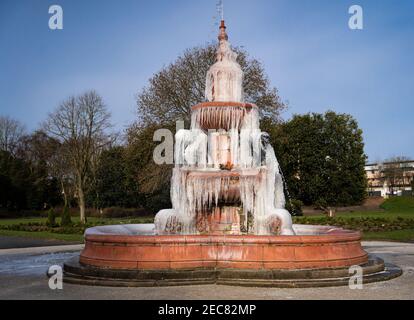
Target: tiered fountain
226	179
228	223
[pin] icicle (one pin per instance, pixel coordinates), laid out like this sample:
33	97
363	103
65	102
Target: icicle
219	117
234	146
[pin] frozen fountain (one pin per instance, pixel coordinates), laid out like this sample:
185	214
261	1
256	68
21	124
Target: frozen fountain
226	179
228	223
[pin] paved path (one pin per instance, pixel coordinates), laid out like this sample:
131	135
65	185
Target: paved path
42	250
22	276
8	242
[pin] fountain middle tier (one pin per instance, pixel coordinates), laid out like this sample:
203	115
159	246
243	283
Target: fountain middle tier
255	193
216	115
220	187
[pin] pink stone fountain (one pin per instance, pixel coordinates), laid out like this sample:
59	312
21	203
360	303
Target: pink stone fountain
228	223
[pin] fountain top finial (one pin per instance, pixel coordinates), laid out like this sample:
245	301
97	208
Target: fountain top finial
223	34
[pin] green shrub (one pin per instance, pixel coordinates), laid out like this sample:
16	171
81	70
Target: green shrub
69	230
66	219
51	218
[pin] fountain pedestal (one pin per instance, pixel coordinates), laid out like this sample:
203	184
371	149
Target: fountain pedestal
220	221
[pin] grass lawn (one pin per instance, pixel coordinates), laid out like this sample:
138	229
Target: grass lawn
91	220
392	209
61	236
43	235
396	235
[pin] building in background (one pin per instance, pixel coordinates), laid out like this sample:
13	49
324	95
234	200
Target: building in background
394	178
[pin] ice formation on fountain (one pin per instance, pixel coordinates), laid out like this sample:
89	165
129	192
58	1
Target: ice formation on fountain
224	163
224	80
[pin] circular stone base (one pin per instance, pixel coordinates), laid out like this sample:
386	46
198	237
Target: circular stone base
373	271
137	247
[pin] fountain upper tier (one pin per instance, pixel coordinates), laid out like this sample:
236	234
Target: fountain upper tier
224	81
224	108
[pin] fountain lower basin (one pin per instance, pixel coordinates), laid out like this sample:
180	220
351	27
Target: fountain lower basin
136	247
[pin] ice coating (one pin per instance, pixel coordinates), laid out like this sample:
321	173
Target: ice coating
224	162
224	81
218	117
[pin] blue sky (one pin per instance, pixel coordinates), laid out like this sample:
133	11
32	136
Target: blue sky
309	53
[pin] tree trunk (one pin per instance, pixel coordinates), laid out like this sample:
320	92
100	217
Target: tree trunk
65	196
82	205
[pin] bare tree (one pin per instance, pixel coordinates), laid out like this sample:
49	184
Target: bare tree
80	124
60	168
172	91
392	173
10	133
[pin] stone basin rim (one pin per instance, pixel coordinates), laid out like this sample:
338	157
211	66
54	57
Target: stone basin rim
331	234
207	104
126	247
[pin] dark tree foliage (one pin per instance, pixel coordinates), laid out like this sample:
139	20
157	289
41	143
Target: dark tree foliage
16	185
25	180
37	150
113	186
24	185
322	157
151	180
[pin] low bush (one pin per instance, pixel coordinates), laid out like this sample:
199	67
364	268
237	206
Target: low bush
31	227
51	218
66	219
